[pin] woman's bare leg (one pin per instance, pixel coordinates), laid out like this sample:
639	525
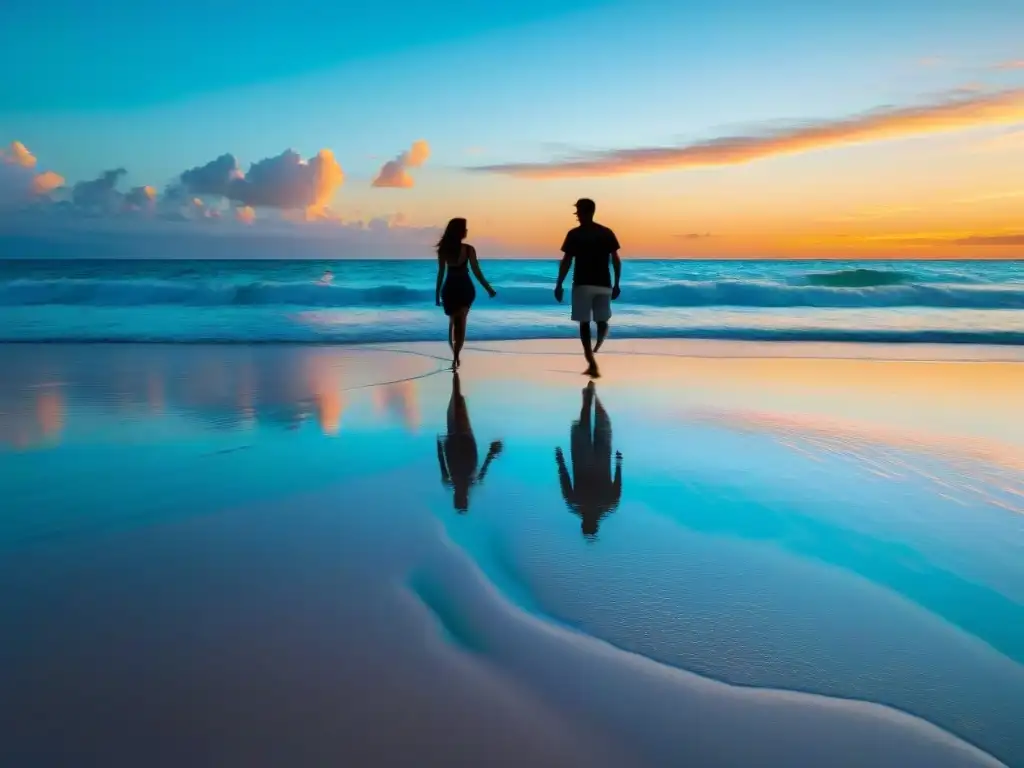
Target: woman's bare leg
460	334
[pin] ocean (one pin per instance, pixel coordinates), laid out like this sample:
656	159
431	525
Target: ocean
234	301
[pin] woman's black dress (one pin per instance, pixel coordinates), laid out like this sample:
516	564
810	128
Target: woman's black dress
458	291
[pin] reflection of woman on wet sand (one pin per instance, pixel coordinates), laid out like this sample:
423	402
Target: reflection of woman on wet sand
457	452
591	492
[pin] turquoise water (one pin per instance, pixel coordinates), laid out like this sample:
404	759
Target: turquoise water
763	553
386	300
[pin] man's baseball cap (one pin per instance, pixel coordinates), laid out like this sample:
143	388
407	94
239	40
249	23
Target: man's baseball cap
586	204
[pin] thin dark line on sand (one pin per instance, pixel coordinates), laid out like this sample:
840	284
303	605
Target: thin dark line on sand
396	381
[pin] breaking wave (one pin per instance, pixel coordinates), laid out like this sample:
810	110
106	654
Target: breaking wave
858	288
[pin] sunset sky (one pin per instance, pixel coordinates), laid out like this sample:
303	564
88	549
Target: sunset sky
735	128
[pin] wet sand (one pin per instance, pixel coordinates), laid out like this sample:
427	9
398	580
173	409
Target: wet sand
268	555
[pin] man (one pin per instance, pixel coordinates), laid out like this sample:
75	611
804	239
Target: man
590	246
591	492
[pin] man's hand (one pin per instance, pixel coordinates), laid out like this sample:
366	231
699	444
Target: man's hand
559	293
437	301
615	293
491	292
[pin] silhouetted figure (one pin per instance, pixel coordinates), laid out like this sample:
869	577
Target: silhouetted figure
591	246
591	492
457	452
454	290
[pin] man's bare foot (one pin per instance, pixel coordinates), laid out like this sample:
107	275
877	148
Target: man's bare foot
592	371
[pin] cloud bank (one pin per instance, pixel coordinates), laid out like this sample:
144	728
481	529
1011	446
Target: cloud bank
285	181
949	114
280	209
100	193
214	178
395	173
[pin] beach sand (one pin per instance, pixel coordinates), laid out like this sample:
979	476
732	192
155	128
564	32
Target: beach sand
247	555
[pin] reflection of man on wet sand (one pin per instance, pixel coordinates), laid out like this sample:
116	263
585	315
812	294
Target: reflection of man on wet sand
591	493
457	453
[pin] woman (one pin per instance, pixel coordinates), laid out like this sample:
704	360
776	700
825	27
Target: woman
455	291
457	452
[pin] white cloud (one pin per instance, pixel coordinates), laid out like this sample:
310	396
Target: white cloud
285	181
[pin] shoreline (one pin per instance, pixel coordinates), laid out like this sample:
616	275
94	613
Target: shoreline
645	346
544	259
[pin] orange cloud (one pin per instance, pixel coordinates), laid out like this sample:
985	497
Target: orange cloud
1015	64
395	174
328	178
19	155
46	182
950	114
1004	239
246	214
991	240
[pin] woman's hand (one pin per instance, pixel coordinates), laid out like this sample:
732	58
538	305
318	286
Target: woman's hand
491	292
437	301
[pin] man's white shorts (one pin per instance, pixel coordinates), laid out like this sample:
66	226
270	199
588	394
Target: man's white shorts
591	302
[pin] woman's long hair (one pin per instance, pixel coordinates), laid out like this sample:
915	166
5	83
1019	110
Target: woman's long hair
451	241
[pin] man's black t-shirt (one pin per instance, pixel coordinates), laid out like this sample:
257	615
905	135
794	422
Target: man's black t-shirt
591	246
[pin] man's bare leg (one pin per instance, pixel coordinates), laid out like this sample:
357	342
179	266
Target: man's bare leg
588	352
602	334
